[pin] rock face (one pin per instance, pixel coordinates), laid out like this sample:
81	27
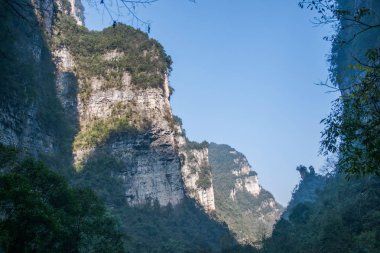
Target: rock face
245	178
155	160
108	112
249	210
195	168
151	163
137	121
33	120
30	114
144	146
46	10
196	160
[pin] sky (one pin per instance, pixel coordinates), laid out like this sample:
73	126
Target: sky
245	74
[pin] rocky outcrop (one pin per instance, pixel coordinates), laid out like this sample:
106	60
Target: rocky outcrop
122	121
194	166
151	165
77	11
249	210
46	11
245	178
30	115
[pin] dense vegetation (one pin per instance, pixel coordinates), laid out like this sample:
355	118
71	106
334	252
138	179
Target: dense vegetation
307	190
99	131
143	58
41	213
343	217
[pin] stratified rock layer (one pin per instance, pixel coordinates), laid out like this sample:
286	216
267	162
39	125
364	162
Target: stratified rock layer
249	210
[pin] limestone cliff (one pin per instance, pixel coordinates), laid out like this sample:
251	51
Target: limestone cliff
31	117
122	106
249	210
245	178
102	104
196	173
124	113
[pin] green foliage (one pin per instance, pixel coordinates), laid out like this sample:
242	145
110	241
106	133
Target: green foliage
353	126
343	218
180	228
343	215
204	177
41	213
177	120
196	145
99	131
143	58
307	190
241	249
7	155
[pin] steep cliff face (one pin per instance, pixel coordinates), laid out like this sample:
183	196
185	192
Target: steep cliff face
195	168
124	113
249	210
196	173
245	177
123	107
31	117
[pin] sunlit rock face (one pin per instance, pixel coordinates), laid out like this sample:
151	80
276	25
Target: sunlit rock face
142	144
193	162
151	162
149	157
249	210
246	179
195	168
47	9
151	168
77	11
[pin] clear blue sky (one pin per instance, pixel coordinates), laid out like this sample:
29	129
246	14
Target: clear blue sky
244	75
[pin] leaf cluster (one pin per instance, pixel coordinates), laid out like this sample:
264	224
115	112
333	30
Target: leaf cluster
41	213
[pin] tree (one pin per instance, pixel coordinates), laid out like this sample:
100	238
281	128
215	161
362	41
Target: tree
352	129
302	170
41	213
